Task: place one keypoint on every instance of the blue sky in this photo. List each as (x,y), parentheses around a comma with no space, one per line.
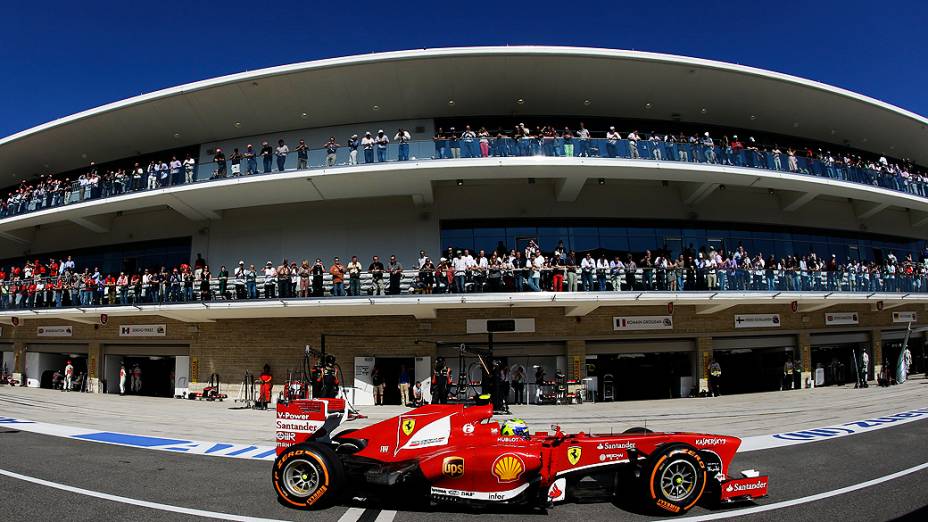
(63,57)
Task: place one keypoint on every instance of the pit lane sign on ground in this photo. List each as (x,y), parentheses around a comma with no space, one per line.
(841,318)
(757,321)
(142,330)
(643,322)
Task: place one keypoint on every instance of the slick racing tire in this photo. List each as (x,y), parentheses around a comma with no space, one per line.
(675,479)
(308,476)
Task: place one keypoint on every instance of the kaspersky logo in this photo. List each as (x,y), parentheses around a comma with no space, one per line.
(408,426)
(573,454)
(452,467)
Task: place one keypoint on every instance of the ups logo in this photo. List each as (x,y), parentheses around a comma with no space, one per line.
(452,467)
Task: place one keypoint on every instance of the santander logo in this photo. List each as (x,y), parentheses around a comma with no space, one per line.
(760,484)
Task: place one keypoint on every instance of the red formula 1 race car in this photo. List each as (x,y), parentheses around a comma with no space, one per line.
(455,453)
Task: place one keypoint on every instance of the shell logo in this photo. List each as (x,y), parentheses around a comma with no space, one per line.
(508,467)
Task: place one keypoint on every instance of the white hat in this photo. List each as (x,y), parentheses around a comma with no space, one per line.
(381,130)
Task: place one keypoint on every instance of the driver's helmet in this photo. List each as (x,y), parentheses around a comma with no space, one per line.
(514,427)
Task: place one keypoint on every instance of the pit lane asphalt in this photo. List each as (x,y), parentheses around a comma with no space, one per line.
(243,487)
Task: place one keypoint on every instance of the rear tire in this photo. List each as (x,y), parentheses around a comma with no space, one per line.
(308,476)
(674,479)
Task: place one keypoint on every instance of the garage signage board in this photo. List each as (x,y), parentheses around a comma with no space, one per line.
(905,317)
(143,330)
(482,326)
(643,322)
(53,331)
(757,320)
(841,318)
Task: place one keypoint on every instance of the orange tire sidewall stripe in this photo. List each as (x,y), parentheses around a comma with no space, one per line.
(654,474)
(325,472)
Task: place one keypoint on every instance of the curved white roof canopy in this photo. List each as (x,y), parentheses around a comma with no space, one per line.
(481,81)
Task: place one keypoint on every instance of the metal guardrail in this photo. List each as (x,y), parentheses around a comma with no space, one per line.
(16,295)
(719,155)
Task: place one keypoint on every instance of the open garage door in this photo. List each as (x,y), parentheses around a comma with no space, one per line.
(755,364)
(835,356)
(7,359)
(43,360)
(154,370)
(635,370)
(527,358)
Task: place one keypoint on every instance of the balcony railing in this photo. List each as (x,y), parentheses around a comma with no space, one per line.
(643,150)
(46,293)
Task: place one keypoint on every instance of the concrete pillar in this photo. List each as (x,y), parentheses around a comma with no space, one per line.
(94,363)
(576,359)
(19,360)
(876,352)
(804,342)
(703,358)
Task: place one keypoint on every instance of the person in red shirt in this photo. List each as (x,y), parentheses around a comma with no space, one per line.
(110,284)
(30,293)
(264,396)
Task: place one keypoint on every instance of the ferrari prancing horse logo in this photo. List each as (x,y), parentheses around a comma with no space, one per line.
(573,454)
(408,426)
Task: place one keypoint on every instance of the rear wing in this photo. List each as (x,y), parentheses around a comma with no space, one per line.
(300,420)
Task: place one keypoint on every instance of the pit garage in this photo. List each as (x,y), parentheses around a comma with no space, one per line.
(43,359)
(153,370)
(527,358)
(7,358)
(646,369)
(893,341)
(755,364)
(835,357)
(418,369)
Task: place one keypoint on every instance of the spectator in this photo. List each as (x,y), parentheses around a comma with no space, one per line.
(331,150)
(354,277)
(220,159)
(302,156)
(266,155)
(338,278)
(251,161)
(367,143)
(353,144)
(281,152)
(382,142)
(402,137)
(376,271)
(189,165)
(318,271)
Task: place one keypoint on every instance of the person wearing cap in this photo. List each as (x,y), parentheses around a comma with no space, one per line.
(331,150)
(367,143)
(270,280)
(238,276)
(612,142)
(708,148)
(353,144)
(376,271)
(302,155)
(251,282)
(317,271)
(68,375)
(251,162)
(382,141)
(281,152)
(266,154)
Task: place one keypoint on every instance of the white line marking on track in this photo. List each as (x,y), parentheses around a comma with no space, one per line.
(352,515)
(135,502)
(387,515)
(804,500)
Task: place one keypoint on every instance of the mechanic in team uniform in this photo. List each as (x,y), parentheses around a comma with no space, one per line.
(715,378)
(264,394)
(328,376)
(864,370)
(68,375)
(441,381)
(788,374)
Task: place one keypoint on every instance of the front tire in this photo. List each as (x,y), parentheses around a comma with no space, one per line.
(308,476)
(675,479)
